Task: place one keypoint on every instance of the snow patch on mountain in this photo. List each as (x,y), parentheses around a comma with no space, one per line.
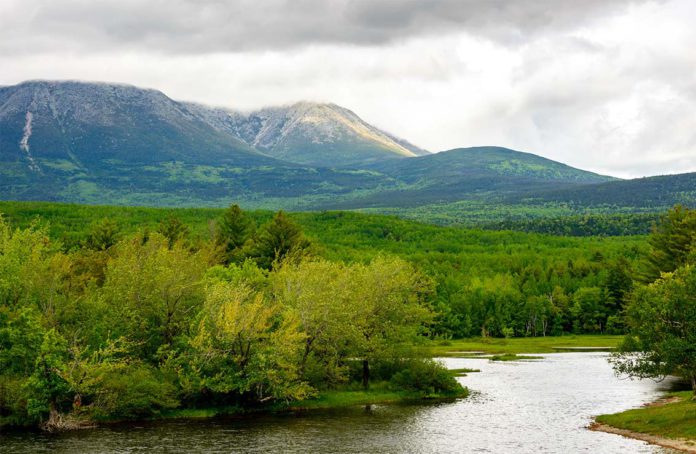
(24,143)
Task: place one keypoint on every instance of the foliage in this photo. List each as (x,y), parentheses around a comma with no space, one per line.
(233,230)
(278,239)
(671,242)
(426,377)
(661,315)
(142,314)
(244,345)
(662,323)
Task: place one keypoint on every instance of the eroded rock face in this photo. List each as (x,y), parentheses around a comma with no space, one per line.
(311,133)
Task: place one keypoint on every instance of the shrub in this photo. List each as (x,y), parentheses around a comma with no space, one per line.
(132,391)
(426,377)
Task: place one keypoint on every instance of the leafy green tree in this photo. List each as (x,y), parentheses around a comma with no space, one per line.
(246,347)
(47,388)
(150,291)
(588,309)
(322,296)
(278,239)
(662,322)
(619,283)
(21,336)
(390,295)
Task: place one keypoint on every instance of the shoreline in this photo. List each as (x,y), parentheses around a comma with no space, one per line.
(665,402)
(347,399)
(671,443)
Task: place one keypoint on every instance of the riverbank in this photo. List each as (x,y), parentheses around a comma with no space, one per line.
(517,345)
(376,395)
(669,422)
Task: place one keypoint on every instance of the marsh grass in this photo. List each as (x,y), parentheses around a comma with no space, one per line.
(517,345)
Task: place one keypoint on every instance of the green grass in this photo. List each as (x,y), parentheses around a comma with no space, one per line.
(517,345)
(199,413)
(672,420)
(511,357)
(378,393)
(463,371)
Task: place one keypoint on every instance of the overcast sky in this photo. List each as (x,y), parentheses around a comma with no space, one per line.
(604,85)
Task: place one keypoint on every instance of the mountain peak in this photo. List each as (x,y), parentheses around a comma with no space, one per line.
(323,134)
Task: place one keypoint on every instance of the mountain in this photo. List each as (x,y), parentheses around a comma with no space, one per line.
(74,123)
(641,193)
(324,135)
(461,163)
(471,173)
(99,143)
(116,144)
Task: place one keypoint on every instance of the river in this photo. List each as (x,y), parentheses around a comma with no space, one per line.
(538,406)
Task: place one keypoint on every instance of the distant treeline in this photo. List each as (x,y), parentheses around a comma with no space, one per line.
(583,225)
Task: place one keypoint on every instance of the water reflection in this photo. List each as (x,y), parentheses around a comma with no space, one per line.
(519,407)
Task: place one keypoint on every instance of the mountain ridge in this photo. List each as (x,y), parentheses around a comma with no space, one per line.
(303,132)
(105,143)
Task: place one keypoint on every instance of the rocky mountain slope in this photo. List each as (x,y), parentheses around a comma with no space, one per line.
(324,135)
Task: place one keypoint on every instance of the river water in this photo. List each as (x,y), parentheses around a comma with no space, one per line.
(518,407)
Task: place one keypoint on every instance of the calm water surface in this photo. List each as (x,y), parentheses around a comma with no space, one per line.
(519,407)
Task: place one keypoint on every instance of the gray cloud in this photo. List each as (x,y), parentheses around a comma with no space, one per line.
(206,26)
(606,85)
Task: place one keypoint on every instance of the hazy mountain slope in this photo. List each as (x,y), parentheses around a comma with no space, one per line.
(651,192)
(479,173)
(455,165)
(314,134)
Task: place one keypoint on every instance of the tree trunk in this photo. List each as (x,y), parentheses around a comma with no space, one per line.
(693,386)
(366,374)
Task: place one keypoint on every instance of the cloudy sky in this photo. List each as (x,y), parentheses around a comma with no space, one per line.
(605,85)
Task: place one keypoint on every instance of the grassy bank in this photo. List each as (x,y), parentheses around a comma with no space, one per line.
(378,394)
(674,417)
(513,346)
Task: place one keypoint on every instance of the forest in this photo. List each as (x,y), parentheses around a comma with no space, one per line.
(117,313)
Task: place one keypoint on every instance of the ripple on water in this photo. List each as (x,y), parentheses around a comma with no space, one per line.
(519,407)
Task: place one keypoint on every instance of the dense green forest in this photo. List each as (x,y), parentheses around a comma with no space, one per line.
(115,312)
(127,325)
(491,282)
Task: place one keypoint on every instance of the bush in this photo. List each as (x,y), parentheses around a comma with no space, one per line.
(132,391)
(12,402)
(427,378)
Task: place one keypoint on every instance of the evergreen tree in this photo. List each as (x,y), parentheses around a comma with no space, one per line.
(173,230)
(102,235)
(234,229)
(278,239)
(671,243)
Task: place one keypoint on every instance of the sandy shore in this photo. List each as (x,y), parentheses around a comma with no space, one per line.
(672,443)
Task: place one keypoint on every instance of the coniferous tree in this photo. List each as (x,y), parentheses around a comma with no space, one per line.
(234,229)
(670,243)
(173,230)
(278,239)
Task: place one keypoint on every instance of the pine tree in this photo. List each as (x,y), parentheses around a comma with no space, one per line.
(234,229)
(278,239)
